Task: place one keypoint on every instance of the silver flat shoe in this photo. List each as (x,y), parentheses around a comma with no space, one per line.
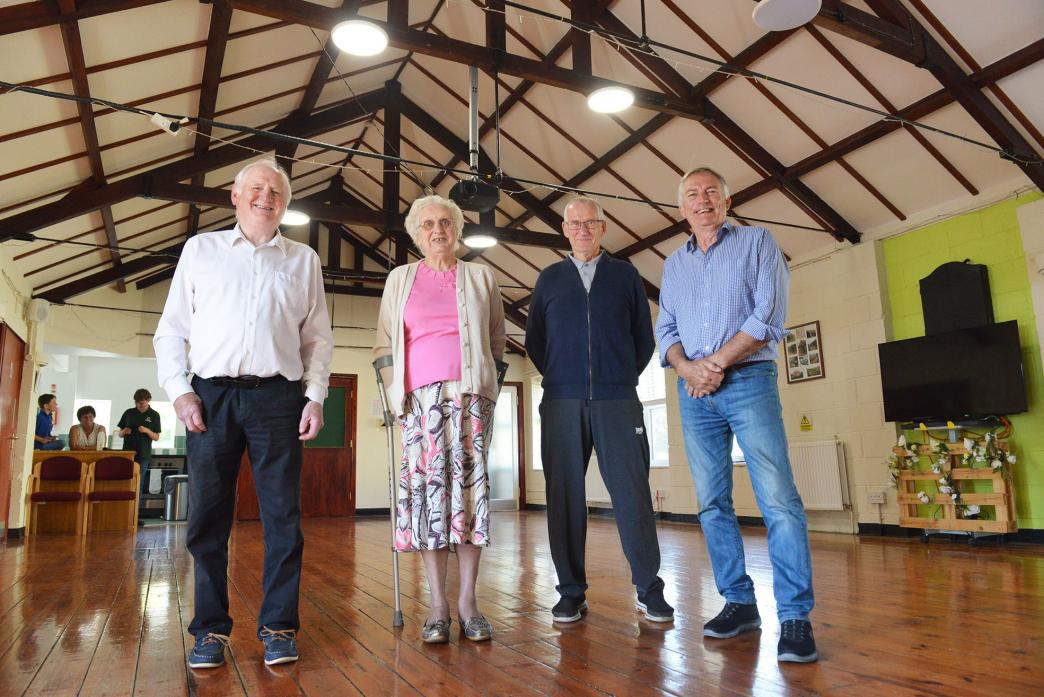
(477,628)
(436,631)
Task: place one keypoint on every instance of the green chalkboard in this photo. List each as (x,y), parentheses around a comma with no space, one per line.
(332,434)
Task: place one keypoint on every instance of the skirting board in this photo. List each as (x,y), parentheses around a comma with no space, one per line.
(372,511)
(1032,536)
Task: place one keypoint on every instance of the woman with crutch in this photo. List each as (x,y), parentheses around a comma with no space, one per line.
(442,321)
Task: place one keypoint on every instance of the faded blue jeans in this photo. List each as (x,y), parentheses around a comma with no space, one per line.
(747,406)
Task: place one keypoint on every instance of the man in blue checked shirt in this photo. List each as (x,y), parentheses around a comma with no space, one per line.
(723,302)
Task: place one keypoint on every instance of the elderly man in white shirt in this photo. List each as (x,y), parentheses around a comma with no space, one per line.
(243,350)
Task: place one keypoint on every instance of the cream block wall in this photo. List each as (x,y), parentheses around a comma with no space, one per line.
(846,293)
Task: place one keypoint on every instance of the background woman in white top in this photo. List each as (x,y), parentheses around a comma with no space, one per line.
(86,435)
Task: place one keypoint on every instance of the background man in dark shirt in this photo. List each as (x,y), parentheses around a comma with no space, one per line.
(139,427)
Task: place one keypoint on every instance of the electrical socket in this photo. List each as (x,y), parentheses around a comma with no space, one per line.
(875,497)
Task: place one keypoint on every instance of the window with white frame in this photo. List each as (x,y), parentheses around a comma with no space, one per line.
(653,396)
(652,393)
(168,422)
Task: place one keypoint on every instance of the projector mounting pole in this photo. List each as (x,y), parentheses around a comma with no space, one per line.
(475,193)
(473,130)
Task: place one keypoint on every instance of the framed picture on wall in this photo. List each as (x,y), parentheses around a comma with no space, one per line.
(803,351)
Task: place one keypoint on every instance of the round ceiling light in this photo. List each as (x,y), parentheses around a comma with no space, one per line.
(359,37)
(294,218)
(609,100)
(781,15)
(479,241)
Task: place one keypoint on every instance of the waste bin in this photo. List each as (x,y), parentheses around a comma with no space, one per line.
(175,488)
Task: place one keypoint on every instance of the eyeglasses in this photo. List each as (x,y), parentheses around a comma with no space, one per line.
(429,225)
(589,224)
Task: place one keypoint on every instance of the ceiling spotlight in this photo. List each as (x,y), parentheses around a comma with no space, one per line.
(359,37)
(294,218)
(479,240)
(781,15)
(609,100)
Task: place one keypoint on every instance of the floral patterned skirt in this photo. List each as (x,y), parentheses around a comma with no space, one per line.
(443,495)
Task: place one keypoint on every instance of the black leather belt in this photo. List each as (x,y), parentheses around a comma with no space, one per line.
(247,382)
(737,366)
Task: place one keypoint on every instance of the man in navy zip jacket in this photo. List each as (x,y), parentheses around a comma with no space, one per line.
(589,333)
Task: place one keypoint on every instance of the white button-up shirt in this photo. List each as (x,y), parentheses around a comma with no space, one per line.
(236,309)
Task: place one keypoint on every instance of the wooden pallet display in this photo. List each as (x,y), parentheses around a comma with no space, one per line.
(1002,496)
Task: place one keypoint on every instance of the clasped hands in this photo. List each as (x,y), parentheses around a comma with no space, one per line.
(702,376)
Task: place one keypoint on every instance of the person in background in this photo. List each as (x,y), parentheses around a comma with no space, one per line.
(42,439)
(442,320)
(86,435)
(140,426)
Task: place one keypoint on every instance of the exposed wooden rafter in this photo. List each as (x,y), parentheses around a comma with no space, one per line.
(426,43)
(78,75)
(78,202)
(727,130)
(217,39)
(353,213)
(897,32)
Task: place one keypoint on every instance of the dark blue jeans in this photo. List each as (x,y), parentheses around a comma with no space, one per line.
(143,468)
(747,406)
(264,421)
(615,428)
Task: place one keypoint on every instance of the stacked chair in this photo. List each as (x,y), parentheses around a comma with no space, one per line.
(70,496)
(58,495)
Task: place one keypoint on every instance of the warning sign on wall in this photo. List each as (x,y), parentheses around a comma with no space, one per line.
(806,424)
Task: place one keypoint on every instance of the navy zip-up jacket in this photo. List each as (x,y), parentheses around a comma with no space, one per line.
(590,345)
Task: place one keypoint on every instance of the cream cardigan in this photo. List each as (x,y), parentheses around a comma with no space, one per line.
(480,319)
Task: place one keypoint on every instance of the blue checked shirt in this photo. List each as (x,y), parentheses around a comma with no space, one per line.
(739,284)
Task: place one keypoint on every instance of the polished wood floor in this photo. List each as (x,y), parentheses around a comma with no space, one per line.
(107,616)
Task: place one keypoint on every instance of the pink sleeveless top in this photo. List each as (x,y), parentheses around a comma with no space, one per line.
(431,328)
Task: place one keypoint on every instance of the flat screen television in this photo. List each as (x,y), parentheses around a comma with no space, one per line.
(966,374)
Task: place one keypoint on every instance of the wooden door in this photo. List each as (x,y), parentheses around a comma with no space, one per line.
(12,357)
(520,416)
(328,467)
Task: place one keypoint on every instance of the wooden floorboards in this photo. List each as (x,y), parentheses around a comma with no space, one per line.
(106,615)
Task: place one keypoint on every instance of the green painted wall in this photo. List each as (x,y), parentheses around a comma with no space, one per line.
(991,237)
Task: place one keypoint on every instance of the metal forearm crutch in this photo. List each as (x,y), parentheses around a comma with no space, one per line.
(389,425)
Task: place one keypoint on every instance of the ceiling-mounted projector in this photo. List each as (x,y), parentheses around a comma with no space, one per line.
(475,195)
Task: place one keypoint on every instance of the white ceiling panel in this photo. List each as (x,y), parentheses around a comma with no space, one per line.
(20,110)
(760,119)
(1011,25)
(143,30)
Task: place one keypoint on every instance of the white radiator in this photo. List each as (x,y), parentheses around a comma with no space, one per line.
(819,472)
